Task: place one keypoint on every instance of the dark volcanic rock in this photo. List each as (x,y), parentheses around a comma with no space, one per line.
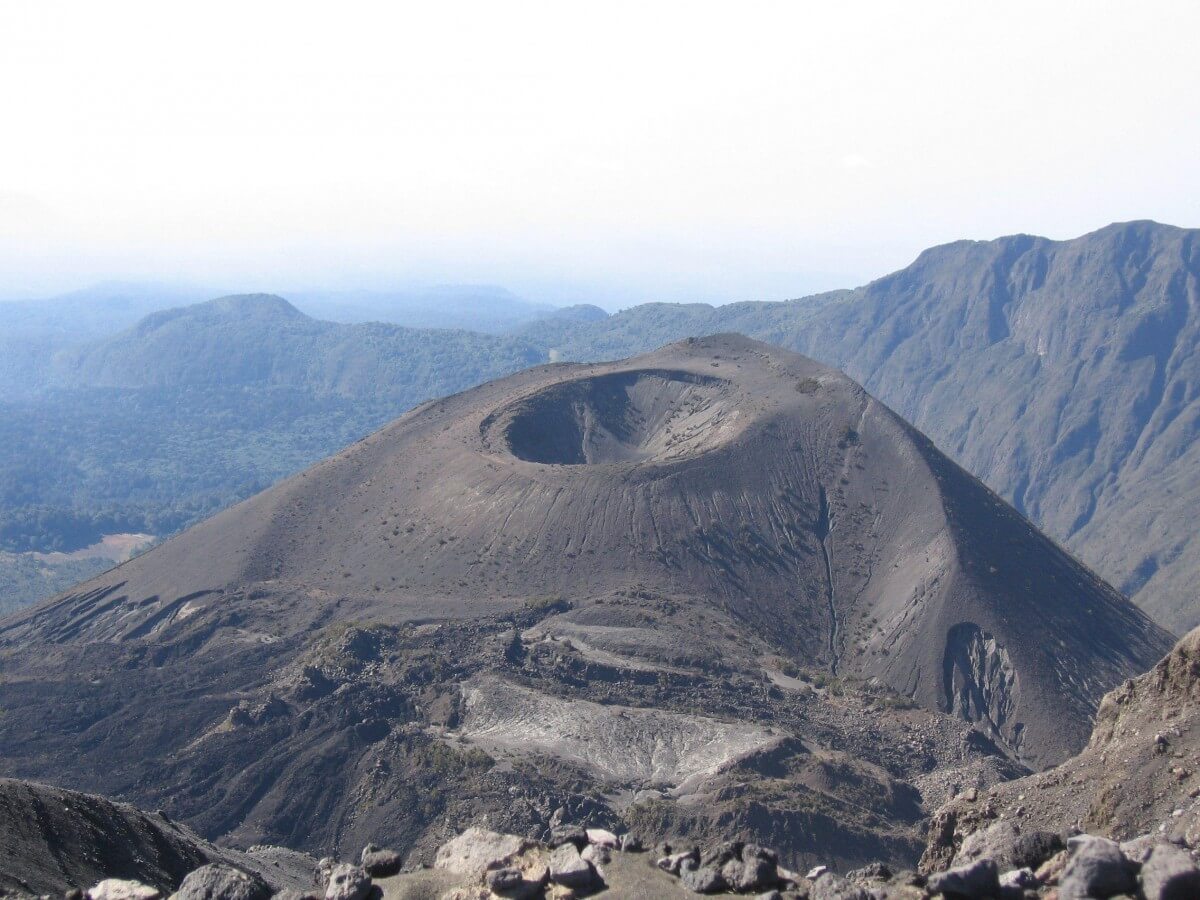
(1169,874)
(701,879)
(1096,868)
(380,863)
(975,881)
(217,881)
(53,840)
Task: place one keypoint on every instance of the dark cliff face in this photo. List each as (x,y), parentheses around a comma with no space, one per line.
(584,581)
(54,840)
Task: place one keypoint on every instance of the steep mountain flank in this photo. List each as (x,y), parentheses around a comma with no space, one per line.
(53,840)
(1066,375)
(1139,774)
(716,583)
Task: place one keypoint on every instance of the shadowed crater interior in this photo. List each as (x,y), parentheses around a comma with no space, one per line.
(652,414)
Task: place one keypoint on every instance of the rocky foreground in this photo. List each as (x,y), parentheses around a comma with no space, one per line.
(1120,820)
(574,862)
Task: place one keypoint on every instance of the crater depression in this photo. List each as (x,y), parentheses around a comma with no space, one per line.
(635,416)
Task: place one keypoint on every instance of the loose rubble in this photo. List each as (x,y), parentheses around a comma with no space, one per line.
(1000,862)
(1090,867)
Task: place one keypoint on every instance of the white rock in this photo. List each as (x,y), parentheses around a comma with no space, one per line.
(476,850)
(602,837)
(120,889)
(816,872)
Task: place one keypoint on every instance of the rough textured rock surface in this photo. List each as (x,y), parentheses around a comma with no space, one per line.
(715,590)
(218,881)
(348,882)
(53,840)
(476,850)
(1139,775)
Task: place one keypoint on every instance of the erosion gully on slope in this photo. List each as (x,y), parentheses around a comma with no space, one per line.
(824,530)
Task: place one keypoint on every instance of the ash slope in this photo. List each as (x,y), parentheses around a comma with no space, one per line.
(466,606)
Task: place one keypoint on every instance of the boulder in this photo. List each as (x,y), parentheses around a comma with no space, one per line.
(974,881)
(322,871)
(217,881)
(476,850)
(1018,880)
(380,863)
(1138,849)
(1096,868)
(568,834)
(571,870)
(674,862)
(631,844)
(718,855)
(1032,849)
(597,855)
(1051,870)
(513,883)
(122,889)
(701,879)
(347,882)
(602,837)
(1169,874)
(828,886)
(755,870)
(875,871)
(1011,848)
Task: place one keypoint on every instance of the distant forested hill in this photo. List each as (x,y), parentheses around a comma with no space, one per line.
(196,408)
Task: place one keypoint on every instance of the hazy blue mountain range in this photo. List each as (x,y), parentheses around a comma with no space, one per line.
(33,331)
(487,308)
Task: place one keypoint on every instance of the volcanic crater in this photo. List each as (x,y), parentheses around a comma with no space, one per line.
(635,416)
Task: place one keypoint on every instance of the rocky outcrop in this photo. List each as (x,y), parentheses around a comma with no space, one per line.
(218,881)
(52,840)
(1121,818)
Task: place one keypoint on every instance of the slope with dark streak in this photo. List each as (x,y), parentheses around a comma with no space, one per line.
(1065,374)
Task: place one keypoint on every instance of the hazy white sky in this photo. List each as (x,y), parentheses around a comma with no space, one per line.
(609,152)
